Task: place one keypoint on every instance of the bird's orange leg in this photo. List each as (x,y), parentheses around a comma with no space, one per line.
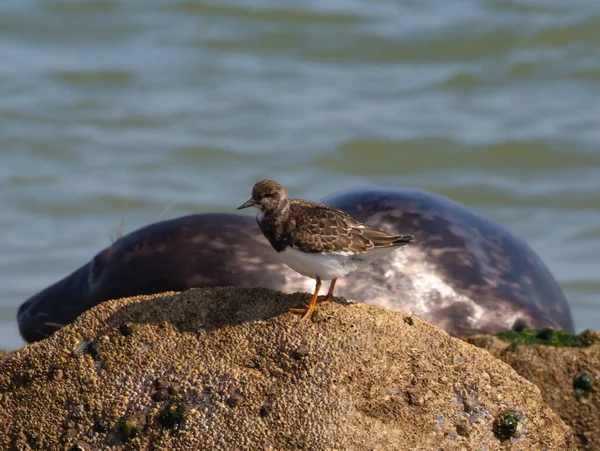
(309,308)
(329,295)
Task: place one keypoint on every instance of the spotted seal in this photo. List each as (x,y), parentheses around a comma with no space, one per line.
(466,274)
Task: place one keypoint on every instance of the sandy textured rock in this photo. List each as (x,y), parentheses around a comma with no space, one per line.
(231,369)
(3,353)
(554,370)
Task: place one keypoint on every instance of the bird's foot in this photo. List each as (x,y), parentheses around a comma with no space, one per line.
(307,310)
(326,298)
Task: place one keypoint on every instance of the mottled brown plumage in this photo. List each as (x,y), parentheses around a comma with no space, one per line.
(337,243)
(312,227)
(316,228)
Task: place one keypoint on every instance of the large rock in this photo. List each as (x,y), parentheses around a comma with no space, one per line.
(568,377)
(231,369)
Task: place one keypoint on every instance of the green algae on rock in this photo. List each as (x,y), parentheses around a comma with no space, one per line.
(127,328)
(583,384)
(505,425)
(565,375)
(130,426)
(173,414)
(547,336)
(231,368)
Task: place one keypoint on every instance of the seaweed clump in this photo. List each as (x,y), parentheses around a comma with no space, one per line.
(130,426)
(93,349)
(173,414)
(583,384)
(505,425)
(548,337)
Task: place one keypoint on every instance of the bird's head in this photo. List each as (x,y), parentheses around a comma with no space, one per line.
(267,195)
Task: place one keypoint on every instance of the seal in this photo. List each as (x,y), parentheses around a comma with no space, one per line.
(466,274)
(203,250)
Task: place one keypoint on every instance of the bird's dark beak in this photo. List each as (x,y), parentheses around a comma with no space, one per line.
(249,203)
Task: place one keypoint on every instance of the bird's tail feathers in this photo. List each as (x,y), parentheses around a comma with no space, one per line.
(402,240)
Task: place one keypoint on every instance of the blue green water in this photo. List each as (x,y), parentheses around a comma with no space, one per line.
(161,108)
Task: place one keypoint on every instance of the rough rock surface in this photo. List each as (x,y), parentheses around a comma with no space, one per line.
(568,377)
(229,368)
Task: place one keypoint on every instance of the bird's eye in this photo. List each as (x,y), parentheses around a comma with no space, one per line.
(268,195)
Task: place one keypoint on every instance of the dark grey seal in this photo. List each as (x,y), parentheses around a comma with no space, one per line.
(466,274)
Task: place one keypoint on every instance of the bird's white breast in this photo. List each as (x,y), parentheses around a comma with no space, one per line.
(325,266)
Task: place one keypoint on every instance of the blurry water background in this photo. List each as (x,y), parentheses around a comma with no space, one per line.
(160,108)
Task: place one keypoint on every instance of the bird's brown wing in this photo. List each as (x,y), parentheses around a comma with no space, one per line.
(320,228)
